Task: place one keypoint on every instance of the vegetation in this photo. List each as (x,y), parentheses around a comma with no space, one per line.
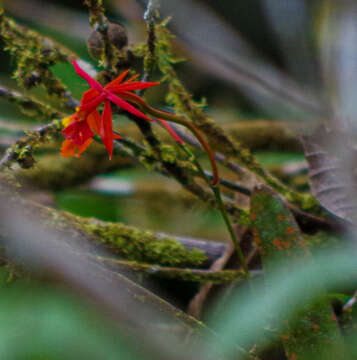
(156,229)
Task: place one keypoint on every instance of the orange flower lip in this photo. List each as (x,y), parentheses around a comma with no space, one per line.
(79,132)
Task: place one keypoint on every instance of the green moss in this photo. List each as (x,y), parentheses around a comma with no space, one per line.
(34,55)
(162,57)
(96,10)
(22,150)
(169,153)
(29,105)
(221,277)
(139,245)
(183,103)
(276,232)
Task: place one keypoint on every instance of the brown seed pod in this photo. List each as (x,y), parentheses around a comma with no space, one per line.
(117,35)
(96,44)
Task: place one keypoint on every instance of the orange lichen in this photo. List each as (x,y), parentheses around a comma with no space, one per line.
(258,240)
(290,230)
(281,245)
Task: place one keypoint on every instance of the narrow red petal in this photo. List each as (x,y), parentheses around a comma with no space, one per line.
(94,84)
(135,85)
(117,80)
(133,77)
(171,131)
(129,96)
(83,147)
(92,104)
(68,148)
(126,106)
(79,132)
(89,95)
(106,130)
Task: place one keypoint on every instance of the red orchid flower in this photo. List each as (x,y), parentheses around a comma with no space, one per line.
(98,94)
(80,128)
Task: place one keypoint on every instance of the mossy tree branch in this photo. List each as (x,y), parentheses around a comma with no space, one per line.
(126,242)
(22,150)
(35,55)
(183,274)
(183,103)
(29,105)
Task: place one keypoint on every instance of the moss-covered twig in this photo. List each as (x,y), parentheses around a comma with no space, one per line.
(257,134)
(96,11)
(183,274)
(35,55)
(183,103)
(132,243)
(22,150)
(178,120)
(29,105)
(54,172)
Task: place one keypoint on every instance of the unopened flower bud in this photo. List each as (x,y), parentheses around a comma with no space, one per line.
(117,35)
(96,44)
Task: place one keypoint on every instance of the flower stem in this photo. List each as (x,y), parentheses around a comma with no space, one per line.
(217,193)
(214,184)
(178,120)
(234,239)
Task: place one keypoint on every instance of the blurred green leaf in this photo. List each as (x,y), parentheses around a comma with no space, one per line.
(42,322)
(249,312)
(278,157)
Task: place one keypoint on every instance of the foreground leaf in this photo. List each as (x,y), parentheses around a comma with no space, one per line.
(313,332)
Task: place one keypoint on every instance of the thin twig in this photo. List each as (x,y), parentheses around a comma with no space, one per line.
(22,149)
(195,306)
(183,274)
(29,105)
